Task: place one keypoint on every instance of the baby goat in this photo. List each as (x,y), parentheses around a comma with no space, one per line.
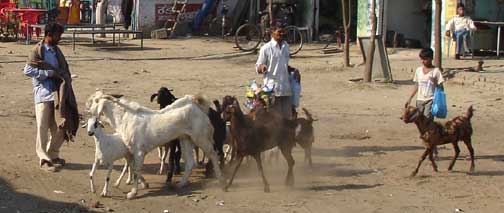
(434,134)
(109,148)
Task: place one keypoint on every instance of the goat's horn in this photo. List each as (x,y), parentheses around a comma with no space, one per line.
(84,125)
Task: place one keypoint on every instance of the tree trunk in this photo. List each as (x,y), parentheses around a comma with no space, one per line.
(370,54)
(437,35)
(347,19)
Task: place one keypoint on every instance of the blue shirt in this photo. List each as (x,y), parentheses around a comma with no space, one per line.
(43,84)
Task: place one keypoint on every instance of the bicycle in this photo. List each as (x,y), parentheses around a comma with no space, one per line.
(248,36)
(221,24)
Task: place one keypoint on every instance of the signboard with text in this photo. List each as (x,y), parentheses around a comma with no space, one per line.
(164,12)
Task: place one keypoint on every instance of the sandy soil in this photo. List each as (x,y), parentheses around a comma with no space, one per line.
(351,173)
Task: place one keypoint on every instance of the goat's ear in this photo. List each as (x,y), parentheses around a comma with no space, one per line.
(117,95)
(153,96)
(100,108)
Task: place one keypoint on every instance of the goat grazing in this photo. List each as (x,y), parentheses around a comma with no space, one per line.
(144,129)
(268,130)
(109,148)
(434,134)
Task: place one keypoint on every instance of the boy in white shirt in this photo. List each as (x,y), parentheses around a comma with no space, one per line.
(461,26)
(427,78)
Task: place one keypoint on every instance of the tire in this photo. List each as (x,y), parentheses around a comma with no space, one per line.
(294,38)
(248,37)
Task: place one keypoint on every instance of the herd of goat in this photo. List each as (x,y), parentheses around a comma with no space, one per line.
(188,123)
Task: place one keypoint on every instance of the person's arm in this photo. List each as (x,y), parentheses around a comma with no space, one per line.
(471,25)
(262,62)
(413,93)
(37,73)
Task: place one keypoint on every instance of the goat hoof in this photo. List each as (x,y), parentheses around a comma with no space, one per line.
(130,195)
(145,185)
(413,174)
(104,194)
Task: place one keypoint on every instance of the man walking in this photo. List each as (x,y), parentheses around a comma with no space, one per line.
(55,105)
(273,63)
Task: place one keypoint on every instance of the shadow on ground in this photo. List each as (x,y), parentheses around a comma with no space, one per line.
(12,201)
(359,151)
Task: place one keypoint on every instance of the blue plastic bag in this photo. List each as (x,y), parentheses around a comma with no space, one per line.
(439,107)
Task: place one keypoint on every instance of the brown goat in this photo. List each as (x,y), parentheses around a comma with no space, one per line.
(305,137)
(253,136)
(434,134)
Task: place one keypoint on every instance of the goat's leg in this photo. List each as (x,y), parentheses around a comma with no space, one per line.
(208,150)
(287,153)
(137,173)
(91,175)
(422,158)
(261,171)
(171,162)
(240,159)
(433,162)
(468,143)
(164,152)
(456,149)
(118,181)
(107,179)
(308,156)
(129,181)
(178,155)
(187,155)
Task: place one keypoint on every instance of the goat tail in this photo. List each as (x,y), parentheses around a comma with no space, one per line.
(470,112)
(308,114)
(202,102)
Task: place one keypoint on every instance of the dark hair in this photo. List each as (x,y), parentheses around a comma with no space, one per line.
(459,5)
(53,28)
(426,53)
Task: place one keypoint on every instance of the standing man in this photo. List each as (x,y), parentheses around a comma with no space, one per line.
(461,26)
(101,13)
(273,63)
(55,104)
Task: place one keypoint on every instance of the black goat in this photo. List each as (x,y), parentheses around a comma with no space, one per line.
(165,98)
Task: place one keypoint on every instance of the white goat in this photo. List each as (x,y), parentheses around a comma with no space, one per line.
(143,129)
(109,148)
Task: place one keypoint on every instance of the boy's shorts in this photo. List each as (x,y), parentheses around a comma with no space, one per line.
(425,107)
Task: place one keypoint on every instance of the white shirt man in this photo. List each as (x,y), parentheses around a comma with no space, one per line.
(273,63)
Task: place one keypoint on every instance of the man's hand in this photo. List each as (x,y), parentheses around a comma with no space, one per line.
(447,33)
(434,80)
(262,69)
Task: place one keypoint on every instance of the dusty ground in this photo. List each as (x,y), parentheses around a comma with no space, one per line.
(350,174)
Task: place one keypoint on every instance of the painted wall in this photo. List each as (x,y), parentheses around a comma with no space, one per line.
(406,17)
(489,10)
(152,14)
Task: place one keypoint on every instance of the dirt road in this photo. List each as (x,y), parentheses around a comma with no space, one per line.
(363,152)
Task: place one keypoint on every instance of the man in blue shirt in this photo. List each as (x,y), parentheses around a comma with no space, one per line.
(45,82)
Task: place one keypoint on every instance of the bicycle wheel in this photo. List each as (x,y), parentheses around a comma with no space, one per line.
(248,37)
(294,38)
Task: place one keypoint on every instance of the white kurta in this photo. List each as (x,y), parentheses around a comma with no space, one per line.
(277,60)
(100,12)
